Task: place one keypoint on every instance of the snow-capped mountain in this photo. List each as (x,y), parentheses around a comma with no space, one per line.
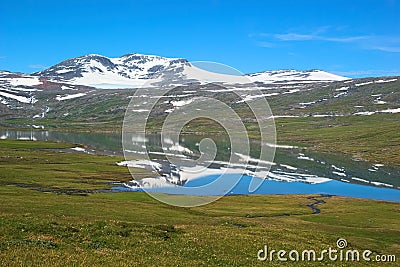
(290,76)
(131,70)
(135,70)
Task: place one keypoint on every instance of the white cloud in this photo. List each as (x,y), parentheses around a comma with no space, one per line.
(308,37)
(357,73)
(387,49)
(390,44)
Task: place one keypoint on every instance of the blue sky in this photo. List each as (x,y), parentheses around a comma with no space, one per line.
(351,38)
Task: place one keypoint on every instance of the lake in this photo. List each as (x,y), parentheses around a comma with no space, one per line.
(294,170)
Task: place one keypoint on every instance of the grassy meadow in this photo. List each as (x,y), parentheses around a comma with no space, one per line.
(53,212)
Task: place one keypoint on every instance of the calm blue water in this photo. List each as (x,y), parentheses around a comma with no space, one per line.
(332,187)
(349,177)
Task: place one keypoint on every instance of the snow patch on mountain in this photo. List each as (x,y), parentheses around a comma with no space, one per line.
(67,97)
(20,84)
(27,81)
(393,110)
(19,98)
(284,76)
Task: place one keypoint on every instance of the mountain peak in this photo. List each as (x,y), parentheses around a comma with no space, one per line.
(134,69)
(289,75)
(129,70)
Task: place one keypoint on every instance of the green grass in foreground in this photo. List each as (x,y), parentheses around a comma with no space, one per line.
(132,229)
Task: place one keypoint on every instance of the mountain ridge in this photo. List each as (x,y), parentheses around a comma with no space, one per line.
(136,70)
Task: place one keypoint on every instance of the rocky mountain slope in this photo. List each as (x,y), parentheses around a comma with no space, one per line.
(137,70)
(68,94)
(132,70)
